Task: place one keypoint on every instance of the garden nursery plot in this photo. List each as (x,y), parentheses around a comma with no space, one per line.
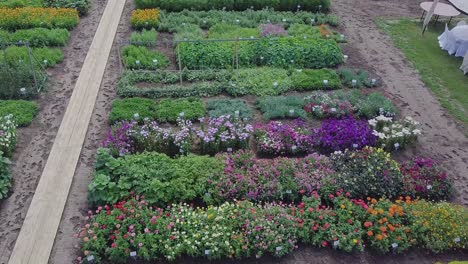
(240,132)
(232,131)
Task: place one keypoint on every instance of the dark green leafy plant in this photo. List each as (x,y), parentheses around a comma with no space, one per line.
(223,107)
(282,107)
(17,80)
(305,80)
(304,31)
(46,57)
(158,177)
(37,37)
(144,38)
(82,6)
(132,109)
(138,57)
(229,31)
(23,111)
(168,110)
(372,105)
(259,82)
(5,176)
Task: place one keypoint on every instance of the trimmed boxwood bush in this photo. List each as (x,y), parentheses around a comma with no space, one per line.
(132,108)
(223,107)
(168,110)
(280,5)
(139,57)
(23,111)
(307,79)
(259,82)
(282,107)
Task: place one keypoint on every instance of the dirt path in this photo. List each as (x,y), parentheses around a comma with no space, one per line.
(36,141)
(66,247)
(368,47)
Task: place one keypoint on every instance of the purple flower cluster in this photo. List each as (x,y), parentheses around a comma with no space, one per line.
(276,138)
(272,30)
(118,139)
(341,134)
(247,177)
(223,133)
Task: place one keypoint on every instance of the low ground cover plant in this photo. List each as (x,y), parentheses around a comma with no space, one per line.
(304,31)
(356,78)
(23,111)
(144,18)
(168,110)
(46,57)
(231,107)
(144,37)
(280,107)
(322,79)
(322,105)
(33,17)
(272,30)
(140,57)
(229,31)
(132,109)
(37,37)
(259,82)
(170,21)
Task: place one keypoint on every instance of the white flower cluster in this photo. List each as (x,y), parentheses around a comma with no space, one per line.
(7,134)
(394,135)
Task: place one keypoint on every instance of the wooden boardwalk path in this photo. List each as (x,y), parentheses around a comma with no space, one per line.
(40,226)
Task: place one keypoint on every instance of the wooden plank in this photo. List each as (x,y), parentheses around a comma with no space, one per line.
(40,226)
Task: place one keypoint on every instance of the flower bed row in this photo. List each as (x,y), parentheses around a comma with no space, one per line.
(283,5)
(33,17)
(240,175)
(37,37)
(136,230)
(7,145)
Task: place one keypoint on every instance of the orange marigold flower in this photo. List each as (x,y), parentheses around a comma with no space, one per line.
(374,201)
(370,233)
(391,227)
(383,228)
(379,237)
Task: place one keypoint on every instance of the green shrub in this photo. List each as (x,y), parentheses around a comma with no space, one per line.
(16,76)
(135,57)
(360,76)
(5,176)
(282,107)
(168,110)
(304,31)
(223,107)
(367,172)
(229,31)
(46,57)
(23,111)
(132,108)
(372,105)
(259,82)
(188,32)
(169,22)
(37,37)
(81,5)
(144,38)
(159,178)
(20,3)
(305,80)
(34,17)
(280,5)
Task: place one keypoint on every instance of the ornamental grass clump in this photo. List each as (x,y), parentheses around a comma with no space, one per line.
(394,135)
(287,179)
(341,134)
(425,178)
(367,172)
(224,133)
(281,139)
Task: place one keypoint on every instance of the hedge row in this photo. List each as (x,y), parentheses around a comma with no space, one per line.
(280,5)
(256,81)
(284,52)
(32,17)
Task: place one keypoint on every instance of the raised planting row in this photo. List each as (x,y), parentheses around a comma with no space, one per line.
(82,6)
(250,81)
(239,5)
(27,33)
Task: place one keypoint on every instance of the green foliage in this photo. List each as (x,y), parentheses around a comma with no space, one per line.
(20,3)
(159,178)
(188,32)
(5,176)
(229,31)
(82,6)
(46,57)
(35,17)
(223,107)
(259,82)
(135,57)
(168,110)
(37,37)
(132,108)
(361,77)
(144,37)
(280,5)
(282,107)
(373,105)
(304,31)
(16,76)
(23,111)
(306,79)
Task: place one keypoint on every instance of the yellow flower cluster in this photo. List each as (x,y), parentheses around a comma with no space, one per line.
(31,17)
(144,18)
